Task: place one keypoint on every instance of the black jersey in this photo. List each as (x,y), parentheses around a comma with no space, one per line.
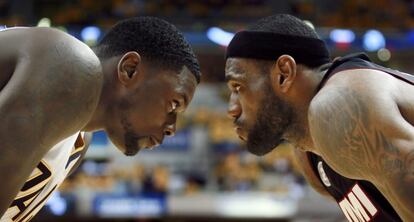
(358,199)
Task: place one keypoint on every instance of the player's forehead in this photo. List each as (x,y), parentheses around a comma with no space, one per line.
(239,68)
(181,83)
(186,83)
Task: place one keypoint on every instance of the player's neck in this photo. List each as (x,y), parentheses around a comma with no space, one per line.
(100,116)
(96,122)
(307,88)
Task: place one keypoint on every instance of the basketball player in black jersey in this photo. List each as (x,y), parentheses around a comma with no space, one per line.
(351,120)
(132,85)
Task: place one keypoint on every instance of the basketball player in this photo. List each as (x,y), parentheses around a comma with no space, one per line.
(351,120)
(54,88)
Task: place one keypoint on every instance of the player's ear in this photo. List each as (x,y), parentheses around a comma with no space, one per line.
(283,73)
(129,67)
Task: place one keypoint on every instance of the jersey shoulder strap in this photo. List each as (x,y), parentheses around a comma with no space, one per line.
(361,61)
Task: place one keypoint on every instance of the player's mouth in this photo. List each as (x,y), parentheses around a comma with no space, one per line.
(153,142)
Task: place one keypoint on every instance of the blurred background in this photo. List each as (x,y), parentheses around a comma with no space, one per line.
(204,172)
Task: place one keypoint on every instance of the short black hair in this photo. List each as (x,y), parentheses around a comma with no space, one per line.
(282,24)
(156,40)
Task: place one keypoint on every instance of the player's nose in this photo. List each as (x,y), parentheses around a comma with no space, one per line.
(234,109)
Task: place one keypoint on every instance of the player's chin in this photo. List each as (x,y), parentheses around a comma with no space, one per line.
(132,148)
(261,149)
(126,149)
(131,152)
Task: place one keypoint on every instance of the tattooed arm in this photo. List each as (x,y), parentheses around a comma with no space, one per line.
(362,135)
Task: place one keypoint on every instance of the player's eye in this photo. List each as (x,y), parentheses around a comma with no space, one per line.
(236,87)
(174,106)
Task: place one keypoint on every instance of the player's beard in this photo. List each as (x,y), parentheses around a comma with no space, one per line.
(273,118)
(131,139)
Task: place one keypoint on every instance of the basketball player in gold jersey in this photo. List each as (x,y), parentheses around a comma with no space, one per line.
(54,88)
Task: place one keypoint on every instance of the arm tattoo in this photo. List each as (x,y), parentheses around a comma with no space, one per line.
(355,143)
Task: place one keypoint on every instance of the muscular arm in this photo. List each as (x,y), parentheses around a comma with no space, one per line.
(48,97)
(368,139)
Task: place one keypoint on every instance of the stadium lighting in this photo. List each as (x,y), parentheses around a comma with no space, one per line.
(342,36)
(219,36)
(57,204)
(90,34)
(384,54)
(373,40)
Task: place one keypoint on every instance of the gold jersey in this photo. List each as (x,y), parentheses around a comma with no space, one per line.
(45,179)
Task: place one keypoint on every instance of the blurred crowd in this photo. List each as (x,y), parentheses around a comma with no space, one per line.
(235,171)
(394,14)
(230,168)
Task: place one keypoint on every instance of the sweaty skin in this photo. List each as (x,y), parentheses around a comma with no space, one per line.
(34,119)
(373,139)
(53,86)
(360,122)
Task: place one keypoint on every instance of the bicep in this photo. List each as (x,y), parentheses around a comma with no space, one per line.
(363,136)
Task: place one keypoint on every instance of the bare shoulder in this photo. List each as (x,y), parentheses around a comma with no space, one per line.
(43,41)
(69,62)
(349,117)
(58,74)
(60,47)
(359,90)
(361,133)
(47,46)
(332,115)
(52,89)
